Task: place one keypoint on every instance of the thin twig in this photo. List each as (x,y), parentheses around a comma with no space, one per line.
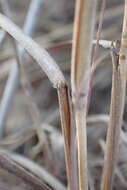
(104,43)
(116,110)
(32,16)
(95,53)
(81,59)
(99,30)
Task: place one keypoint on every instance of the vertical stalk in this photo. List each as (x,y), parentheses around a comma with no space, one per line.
(81,59)
(9,91)
(101,18)
(68,129)
(32,16)
(116,110)
(66,124)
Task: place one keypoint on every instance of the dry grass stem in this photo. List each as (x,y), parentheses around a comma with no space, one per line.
(113,135)
(43,143)
(32,16)
(81,59)
(69,135)
(116,110)
(103,6)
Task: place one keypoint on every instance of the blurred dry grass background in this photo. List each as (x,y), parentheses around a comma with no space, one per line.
(44,143)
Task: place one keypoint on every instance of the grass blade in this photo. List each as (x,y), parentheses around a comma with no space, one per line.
(45,61)
(38,171)
(47,64)
(7,163)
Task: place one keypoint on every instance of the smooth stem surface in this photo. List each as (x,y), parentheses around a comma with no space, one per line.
(32,16)
(116,110)
(66,124)
(69,135)
(102,12)
(113,134)
(82,43)
(81,59)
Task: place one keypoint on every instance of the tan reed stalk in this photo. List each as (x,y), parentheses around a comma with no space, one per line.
(81,59)
(116,110)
